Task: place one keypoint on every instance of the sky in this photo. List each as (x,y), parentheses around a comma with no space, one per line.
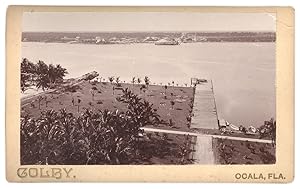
(146,21)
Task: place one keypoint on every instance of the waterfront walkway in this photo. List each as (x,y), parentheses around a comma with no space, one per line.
(204,153)
(204,110)
(201,134)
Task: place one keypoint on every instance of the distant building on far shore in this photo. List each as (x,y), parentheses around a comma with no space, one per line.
(150,39)
(167,42)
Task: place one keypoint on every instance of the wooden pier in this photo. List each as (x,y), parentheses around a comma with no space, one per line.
(204,110)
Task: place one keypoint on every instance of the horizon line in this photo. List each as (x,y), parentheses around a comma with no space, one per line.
(206,31)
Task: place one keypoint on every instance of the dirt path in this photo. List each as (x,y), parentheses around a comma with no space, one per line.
(204,151)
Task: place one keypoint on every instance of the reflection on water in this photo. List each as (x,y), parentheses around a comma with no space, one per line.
(243,74)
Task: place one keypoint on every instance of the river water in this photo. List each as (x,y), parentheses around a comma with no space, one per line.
(243,74)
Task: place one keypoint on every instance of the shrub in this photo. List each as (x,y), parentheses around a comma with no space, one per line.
(72,88)
(94,137)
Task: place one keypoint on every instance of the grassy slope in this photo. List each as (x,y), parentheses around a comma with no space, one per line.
(105,99)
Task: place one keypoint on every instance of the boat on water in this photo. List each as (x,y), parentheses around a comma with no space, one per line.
(225,126)
(167,42)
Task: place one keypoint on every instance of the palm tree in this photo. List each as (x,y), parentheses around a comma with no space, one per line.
(273,131)
(28,73)
(42,82)
(41,68)
(133,81)
(111,79)
(56,73)
(27,66)
(268,130)
(43,75)
(139,80)
(42,71)
(147,81)
(173,83)
(118,80)
(51,74)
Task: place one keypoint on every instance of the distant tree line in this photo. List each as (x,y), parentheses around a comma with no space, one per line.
(40,74)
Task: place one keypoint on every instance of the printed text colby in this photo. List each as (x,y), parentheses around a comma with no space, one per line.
(56,173)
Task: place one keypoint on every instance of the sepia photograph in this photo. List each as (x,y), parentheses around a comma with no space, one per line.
(147,88)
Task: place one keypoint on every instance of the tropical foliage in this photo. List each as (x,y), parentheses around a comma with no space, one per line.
(268,130)
(147,81)
(40,74)
(117,80)
(94,137)
(111,79)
